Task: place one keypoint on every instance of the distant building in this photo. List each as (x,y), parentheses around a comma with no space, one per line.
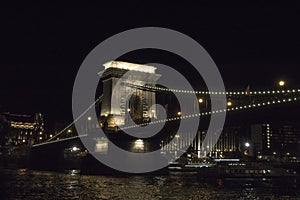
(262,141)
(23,129)
(290,142)
(276,139)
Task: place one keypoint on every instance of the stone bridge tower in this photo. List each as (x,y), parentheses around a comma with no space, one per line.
(135,100)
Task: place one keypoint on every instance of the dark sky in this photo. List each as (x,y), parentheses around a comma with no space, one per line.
(42,47)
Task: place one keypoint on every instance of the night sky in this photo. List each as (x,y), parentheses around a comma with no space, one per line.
(42,47)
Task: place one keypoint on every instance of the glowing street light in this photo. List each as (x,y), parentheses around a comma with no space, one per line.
(201,100)
(179,113)
(229,103)
(247,144)
(281,83)
(69,131)
(75,149)
(89,118)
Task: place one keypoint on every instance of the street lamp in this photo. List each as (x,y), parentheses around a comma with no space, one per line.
(229,103)
(88,123)
(247,144)
(281,83)
(203,102)
(179,113)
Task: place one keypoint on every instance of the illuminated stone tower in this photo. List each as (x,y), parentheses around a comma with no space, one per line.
(134,101)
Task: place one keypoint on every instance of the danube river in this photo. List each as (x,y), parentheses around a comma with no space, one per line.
(27,184)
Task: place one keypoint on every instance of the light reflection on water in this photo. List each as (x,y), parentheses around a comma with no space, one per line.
(26,184)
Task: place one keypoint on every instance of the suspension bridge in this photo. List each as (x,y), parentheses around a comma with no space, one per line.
(52,150)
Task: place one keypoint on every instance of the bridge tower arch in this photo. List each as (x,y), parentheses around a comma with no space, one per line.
(138,104)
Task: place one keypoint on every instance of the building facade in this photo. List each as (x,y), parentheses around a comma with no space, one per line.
(281,139)
(23,130)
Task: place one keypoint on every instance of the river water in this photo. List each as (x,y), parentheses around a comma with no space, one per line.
(27,184)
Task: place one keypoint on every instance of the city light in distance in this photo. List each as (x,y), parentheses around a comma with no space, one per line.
(201,100)
(281,83)
(139,144)
(89,118)
(229,103)
(75,149)
(247,144)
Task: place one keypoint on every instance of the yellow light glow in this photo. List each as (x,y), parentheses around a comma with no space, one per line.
(139,144)
(229,103)
(201,100)
(101,146)
(179,113)
(130,66)
(281,83)
(75,149)
(89,118)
